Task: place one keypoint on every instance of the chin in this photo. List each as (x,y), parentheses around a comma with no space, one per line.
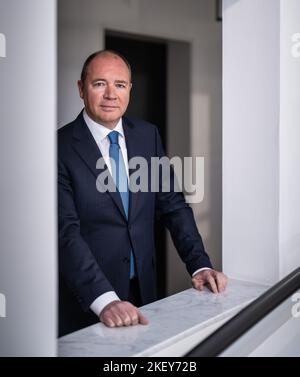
(107,121)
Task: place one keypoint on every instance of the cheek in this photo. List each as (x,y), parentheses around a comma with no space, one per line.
(125,100)
(93,99)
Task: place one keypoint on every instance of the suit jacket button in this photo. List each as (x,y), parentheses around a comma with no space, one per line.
(126,260)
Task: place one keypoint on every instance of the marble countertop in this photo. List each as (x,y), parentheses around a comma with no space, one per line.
(170,319)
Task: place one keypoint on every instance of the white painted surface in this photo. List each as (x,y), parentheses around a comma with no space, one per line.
(251,139)
(289,223)
(27,190)
(261,155)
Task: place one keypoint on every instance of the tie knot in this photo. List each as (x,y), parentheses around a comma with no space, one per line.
(113,137)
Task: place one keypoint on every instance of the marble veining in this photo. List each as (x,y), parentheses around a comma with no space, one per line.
(171,319)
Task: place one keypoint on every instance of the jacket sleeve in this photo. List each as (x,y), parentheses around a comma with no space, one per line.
(77,265)
(178,217)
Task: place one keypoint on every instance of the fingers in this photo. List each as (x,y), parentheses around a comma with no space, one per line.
(198,284)
(216,281)
(122,313)
(142,319)
(212,284)
(221,280)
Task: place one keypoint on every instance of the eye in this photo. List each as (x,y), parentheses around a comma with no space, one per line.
(99,84)
(121,86)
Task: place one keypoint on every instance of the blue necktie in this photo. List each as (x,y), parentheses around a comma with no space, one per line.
(120,179)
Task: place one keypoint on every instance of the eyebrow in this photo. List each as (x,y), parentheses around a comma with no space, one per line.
(121,81)
(116,81)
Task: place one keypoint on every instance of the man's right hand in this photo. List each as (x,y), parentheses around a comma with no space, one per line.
(121,313)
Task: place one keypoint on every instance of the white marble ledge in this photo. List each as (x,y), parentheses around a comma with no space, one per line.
(171,320)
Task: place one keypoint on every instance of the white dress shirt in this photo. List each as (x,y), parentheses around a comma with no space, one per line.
(100,134)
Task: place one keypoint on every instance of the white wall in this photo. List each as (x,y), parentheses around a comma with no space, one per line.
(261,183)
(250,139)
(81,31)
(27,190)
(289,221)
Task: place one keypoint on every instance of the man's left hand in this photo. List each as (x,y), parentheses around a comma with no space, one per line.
(216,281)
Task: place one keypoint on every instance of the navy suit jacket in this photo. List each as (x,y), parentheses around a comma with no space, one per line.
(95,237)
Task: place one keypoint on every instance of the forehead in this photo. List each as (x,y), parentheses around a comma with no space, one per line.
(108,65)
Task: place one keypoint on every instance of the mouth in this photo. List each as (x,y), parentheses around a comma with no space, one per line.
(109,107)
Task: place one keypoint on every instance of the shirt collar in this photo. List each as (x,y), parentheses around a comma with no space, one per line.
(99,131)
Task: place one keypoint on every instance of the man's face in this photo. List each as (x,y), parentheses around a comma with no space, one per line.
(106,89)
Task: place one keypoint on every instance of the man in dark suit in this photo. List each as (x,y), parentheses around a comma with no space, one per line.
(106,239)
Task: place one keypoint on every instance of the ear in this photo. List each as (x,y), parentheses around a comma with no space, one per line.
(80,88)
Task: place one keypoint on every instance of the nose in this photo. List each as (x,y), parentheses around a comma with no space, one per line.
(110,92)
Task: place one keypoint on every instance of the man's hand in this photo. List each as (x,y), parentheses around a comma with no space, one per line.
(215,280)
(122,313)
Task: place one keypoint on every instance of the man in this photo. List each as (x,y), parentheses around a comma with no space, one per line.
(106,241)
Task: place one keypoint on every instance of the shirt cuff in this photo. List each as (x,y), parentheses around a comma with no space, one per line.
(99,304)
(201,269)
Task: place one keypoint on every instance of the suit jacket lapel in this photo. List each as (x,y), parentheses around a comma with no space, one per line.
(133,144)
(85,145)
